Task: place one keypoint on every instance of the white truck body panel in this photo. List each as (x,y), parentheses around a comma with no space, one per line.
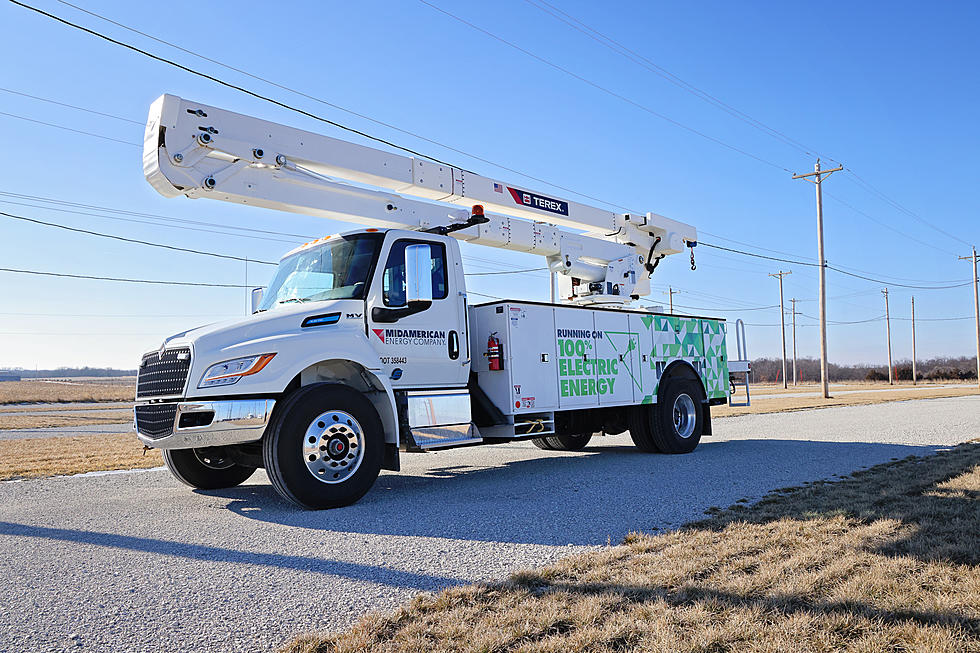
(568,358)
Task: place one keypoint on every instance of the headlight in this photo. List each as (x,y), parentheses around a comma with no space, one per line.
(229,372)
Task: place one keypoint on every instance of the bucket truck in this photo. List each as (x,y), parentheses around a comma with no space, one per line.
(365,345)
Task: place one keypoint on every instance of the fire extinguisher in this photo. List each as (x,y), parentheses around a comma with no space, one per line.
(495,353)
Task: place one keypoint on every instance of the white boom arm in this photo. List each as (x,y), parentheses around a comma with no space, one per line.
(201,151)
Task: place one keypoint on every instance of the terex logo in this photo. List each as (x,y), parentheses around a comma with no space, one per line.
(541,202)
(380,333)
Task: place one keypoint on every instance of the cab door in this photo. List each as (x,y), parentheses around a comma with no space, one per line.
(425,348)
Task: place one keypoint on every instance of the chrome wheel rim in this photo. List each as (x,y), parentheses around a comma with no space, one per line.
(685,416)
(333,446)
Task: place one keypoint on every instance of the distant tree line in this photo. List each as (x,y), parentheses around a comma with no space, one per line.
(70,371)
(769,370)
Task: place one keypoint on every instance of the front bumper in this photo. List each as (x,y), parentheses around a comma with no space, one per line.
(205,423)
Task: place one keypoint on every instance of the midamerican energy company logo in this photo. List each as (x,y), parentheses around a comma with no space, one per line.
(410,336)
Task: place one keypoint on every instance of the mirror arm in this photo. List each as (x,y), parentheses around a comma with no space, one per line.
(390,315)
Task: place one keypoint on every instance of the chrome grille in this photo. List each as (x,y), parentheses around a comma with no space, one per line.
(156,420)
(163,376)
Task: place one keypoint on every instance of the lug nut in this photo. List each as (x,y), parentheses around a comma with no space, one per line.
(280,160)
(209,182)
(204,139)
(258,153)
(178,157)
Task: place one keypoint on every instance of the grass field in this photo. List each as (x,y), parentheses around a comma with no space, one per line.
(887,560)
(35,458)
(783,404)
(13,392)
(16,421)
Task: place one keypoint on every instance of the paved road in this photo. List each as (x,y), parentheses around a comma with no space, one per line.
(138,562)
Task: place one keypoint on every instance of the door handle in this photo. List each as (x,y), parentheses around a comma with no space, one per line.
(453,341)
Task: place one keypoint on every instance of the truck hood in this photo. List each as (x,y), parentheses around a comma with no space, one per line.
(252,332)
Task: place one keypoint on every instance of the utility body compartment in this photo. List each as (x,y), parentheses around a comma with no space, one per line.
(559,357)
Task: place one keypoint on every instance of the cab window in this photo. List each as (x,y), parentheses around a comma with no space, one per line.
(393,281)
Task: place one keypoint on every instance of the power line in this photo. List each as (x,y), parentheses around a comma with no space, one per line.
(599,87)
(617,47)
(384,141)
(69,129)
(151,281)
(134,240)
(340,108)
(769,258)
(70,106)
(868,187)
(486,274)
(888,226)
(836,269)
(150,221)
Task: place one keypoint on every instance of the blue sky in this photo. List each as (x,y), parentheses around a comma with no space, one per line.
(890,89)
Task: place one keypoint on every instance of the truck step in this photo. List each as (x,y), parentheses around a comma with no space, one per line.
(437,437)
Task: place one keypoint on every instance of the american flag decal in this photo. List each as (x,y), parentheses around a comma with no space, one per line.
(498,188)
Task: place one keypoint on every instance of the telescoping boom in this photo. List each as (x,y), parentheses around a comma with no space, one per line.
(202,151)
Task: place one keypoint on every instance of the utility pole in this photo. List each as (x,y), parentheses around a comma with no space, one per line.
(782,319)
(888,336)
(913,340)
(671,292)
(793,301)
(976,307)
(818,177)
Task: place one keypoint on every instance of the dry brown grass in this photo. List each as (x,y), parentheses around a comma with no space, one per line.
(884,561)
(777,388)
(783,404)
(69,407)
(13,392)
(15,421)
(34,458)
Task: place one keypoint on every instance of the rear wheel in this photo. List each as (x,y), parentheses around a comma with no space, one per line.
(205,469)
(542,443)
(569,442)
(674,424)
(325,447)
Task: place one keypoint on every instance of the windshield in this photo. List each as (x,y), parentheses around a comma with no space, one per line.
(338,269)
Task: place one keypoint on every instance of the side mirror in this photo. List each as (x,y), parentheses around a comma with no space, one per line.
(418,274)
(257,298)
(418,286)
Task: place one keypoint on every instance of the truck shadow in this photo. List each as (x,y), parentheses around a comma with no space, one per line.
(555,499)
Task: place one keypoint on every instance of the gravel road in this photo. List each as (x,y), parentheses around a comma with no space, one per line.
(66,431)
(135,561)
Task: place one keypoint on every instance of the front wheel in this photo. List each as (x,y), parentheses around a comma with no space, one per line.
(325,447)
(205,469)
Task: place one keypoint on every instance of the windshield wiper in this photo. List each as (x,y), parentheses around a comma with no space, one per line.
(293,299)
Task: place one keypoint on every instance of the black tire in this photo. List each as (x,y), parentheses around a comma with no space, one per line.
(569,442)
(653,428)
(542,443)
(205,469)
(640,431)
(362,449)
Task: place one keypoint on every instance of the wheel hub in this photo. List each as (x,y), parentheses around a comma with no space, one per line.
(684,415)
(333,446)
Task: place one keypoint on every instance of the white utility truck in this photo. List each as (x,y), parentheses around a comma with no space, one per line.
(365,344)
